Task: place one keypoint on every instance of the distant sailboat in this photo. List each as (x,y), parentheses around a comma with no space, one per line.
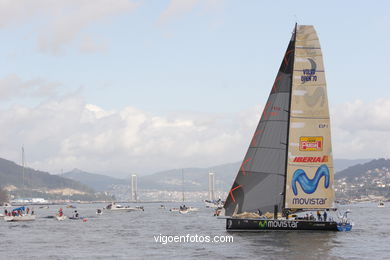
(288,167)
(183,209)
(20,213)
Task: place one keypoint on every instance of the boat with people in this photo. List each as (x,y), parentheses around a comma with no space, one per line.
(99,212)
(117,207)
(381,204)
(184,209)
(287,172)
(61,218)
(19,214)
(60,215)
(214,203)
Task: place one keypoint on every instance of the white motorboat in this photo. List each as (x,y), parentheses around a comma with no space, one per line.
(19,214)
(61,218)
(117,207)
(184,211)
(19,218)
(381,204)
(192,209)
(214,203)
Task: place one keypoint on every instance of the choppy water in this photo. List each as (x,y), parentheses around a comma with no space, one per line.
(130,235)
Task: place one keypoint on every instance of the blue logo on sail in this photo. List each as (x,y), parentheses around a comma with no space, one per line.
(310,185)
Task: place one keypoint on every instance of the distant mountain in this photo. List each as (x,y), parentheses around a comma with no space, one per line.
(97,182)
(361,169)
(34,183)
(195,179)
(342,164)
(368,181)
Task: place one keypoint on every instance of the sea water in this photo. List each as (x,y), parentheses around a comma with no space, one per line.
(138,235)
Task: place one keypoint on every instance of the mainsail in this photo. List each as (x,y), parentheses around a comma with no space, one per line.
(259,183)
(289,161)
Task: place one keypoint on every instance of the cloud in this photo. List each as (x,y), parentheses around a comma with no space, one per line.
(60,23)
(67,132)
(12,86)
(361,129)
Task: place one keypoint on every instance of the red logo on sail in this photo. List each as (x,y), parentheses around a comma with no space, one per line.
(311,159)
(311,143)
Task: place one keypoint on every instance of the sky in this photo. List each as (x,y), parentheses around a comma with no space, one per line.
(126,86)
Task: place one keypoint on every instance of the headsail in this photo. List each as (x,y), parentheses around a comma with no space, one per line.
(259,184)
(309,182)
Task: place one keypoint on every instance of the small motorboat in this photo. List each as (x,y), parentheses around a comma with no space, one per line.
(99,212)
(20,214)
(117,207)
(61,218)
(184,211)
(381,204)
(193,209)
(19,218)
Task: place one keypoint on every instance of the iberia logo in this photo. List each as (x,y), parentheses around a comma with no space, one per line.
(311,143)
(311,159)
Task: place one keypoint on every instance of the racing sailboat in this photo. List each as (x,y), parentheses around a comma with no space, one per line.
(288,168)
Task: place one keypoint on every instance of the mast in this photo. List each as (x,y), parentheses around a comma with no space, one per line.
(288,124)
(182,183)
(23,170)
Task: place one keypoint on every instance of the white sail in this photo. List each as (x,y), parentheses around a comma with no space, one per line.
(309,178)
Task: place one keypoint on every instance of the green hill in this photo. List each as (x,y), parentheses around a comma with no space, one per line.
(35,183)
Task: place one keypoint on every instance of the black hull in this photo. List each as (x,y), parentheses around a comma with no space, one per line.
(235,224)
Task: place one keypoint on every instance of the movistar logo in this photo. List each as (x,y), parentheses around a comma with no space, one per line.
(309,185)
(262,223)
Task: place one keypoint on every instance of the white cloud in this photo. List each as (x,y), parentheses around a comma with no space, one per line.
(361,129)
(12,86)
(67,133)
(60,23)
